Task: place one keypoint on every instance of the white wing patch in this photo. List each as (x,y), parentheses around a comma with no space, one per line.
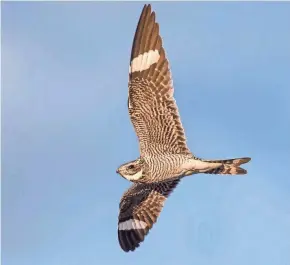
(132,224)
(144,61)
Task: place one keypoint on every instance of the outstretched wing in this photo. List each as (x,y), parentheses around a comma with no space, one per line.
(152,108)
(140,207)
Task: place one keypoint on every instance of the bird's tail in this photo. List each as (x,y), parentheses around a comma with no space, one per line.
(229,166)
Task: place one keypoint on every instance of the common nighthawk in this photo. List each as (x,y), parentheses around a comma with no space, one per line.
(164,156)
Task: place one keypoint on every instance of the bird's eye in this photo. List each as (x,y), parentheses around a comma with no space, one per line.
(131,167)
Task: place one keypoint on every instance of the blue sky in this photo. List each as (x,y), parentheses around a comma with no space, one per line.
(65,130)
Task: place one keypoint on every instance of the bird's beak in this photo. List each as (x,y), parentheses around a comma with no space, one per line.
(117,171)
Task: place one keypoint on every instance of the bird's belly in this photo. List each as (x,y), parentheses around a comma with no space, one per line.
(196,166)
(166,167)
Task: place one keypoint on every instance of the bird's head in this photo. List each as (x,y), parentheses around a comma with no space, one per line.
(132,171)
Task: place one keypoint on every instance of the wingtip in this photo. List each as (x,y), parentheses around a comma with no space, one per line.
(147,5)
(147,8)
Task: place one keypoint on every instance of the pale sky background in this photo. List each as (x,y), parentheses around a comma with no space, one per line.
(66,129)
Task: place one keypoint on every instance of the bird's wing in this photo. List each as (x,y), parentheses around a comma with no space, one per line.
(152,107)
(139,208)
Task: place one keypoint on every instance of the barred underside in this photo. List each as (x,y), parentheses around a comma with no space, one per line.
(152,108)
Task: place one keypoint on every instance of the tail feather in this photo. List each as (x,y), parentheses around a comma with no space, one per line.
(229,166)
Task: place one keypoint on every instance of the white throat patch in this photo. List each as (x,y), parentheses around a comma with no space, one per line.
(137,176)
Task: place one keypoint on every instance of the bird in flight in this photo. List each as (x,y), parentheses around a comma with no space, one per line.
(164,155)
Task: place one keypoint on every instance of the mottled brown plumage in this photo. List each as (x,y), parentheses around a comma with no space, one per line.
(152,108)
(142,202)
(164,156)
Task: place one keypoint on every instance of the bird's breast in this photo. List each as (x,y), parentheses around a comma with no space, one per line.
(165,166)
